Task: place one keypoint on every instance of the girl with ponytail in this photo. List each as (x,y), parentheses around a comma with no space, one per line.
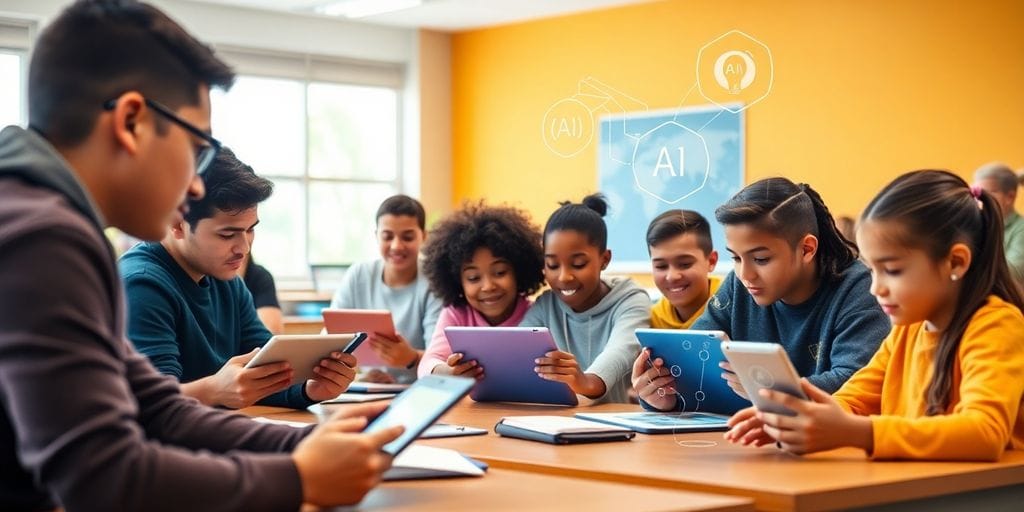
(797,282)
(948,380)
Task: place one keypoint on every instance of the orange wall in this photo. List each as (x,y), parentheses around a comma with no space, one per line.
(863,91)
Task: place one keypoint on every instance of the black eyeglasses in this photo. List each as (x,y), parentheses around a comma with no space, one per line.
(204,154)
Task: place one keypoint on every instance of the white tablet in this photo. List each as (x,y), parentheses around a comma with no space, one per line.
(763,365)
(304,351)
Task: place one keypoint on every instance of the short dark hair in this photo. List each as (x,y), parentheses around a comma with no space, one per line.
(585,217)
(231,186)
(402,204)
(97,50)
(677,222)
(791,211)
(505,230)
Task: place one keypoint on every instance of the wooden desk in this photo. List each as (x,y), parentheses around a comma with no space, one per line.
(510,490)
(775,480)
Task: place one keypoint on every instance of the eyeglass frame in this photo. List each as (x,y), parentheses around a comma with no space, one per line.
(202,161)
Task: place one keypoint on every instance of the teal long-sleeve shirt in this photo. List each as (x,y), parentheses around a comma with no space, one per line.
(189,329)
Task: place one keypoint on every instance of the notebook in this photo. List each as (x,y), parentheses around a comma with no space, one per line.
(418,462)
(376,387)
(661,422)
(560,430)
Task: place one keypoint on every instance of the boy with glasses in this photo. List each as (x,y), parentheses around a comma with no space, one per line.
(86,423)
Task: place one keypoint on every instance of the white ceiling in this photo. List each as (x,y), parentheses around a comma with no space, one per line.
(446,15)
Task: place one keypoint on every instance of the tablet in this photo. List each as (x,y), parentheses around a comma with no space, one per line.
(304,351)
(360,320)
(649,422)
(692,357)
(418,407)
(507,356)
(764,365)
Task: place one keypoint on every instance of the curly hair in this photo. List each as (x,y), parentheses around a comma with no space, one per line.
(505,230)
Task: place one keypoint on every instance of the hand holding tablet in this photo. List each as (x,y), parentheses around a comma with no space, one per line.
(304,352)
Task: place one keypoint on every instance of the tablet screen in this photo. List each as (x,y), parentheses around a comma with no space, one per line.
(419,407)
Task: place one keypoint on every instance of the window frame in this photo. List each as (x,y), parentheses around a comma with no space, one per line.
(310,69)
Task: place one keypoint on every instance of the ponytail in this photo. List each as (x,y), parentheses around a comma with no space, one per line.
(791,211)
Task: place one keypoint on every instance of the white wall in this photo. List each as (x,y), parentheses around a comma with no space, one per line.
(251,28)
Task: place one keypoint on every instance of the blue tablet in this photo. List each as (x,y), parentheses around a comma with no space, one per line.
(507,356)
(692,357)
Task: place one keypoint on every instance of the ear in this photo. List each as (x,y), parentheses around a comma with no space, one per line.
(127,112)
(179,229)
(959,260)
(712,261)
(808,248)
(606,258)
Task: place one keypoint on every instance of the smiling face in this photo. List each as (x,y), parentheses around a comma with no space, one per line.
(572,268)
(217,246)
(770,267)
(489,284)
(680,270)
(399,238)
(909,285)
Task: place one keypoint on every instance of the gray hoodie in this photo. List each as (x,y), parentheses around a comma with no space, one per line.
(603,337)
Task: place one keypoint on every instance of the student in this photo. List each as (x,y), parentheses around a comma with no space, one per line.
(1001,183)
(682,257)
(947,382)
(190,313)
(797,282)
(483,262)
(592,320)
(395,283)
(260,283)
(118,130)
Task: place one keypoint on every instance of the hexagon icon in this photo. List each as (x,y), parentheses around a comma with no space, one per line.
(734,71)
(671,162)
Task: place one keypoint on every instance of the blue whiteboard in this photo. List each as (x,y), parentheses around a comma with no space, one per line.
(639,147)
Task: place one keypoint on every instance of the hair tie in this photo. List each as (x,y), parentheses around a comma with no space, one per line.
(976,191)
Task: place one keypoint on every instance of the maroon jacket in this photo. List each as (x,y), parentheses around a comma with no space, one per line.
(86,423)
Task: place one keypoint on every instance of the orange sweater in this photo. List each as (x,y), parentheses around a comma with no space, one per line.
(985,416)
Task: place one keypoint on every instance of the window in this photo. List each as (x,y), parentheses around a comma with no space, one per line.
(15,36)
(332,151)
(12,101)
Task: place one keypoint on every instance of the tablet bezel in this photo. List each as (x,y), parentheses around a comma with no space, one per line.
(302,351)
(456,387)
(714,396)
(360,320)
(507,356)
(745,356)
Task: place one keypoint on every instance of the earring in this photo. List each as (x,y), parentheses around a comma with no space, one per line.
(954,277)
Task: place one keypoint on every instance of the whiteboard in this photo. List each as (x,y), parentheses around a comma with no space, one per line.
(649,162)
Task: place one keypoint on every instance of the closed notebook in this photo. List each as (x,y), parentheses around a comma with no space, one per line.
(419,462)
(560,430)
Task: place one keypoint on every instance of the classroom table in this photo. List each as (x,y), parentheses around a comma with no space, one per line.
(511,490)
(703,462)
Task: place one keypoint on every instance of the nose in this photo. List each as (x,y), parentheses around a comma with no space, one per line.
(746,272)
(196,188)
(878,288)
(564,276)
(675,275)
(486,284)
(396,244)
